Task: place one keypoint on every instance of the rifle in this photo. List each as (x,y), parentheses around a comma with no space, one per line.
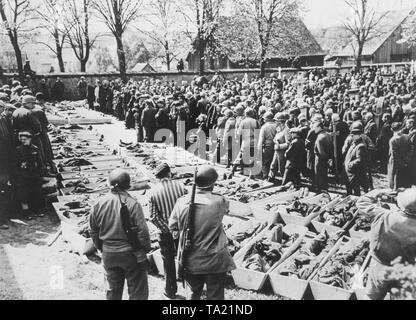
(185,243)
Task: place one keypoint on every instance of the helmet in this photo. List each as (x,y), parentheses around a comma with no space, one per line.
(357,127)
(262,110)
(268,116)
(206,177)
(407,201)
(228,113)
(249,112)
(40,96)
(279,117)
(25,133)
(239,110)
(28,99)
(119,178)
(295,131)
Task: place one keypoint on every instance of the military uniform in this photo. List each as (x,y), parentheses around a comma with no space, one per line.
(393,235)
(120,261)
(208,260)
(266,144)
(355,167)
(295,161)
(323,152)
(401,151)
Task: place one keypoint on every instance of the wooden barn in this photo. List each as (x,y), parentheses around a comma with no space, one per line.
(298,43)
(386,47)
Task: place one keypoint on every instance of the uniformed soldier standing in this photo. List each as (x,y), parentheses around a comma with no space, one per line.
(266,144)
(323,152)
(356,164)
(121,261)
(393,235)
(29,171)
(208,260)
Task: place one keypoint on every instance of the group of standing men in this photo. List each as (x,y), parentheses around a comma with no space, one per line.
(26,156)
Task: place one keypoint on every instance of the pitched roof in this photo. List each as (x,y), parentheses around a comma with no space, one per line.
(388,25)
(140,67)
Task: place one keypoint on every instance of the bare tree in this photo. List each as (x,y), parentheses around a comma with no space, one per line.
(362,25)
(117,15)
(163,29)
(16,16)
(49,13)
(77,26)
(204,15)
(268,15)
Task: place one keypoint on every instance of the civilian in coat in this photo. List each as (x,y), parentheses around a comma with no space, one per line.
(383,141)
(355,164)
(323,152)
(401,152)
(149,121)
(229,138)
(412,137)
(295,159)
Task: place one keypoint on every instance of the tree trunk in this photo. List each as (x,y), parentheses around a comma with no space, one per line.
(359,56)
(60,59)
(18,54)
(121,58)
(201,51)
(83,65)
(263,62)
(167,55)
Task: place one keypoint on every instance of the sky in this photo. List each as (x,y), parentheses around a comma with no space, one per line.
(325,13)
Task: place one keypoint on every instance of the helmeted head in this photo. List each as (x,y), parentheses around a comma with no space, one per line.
(249,112)
(206,177)
(280,117)
(228,114)
(268,116)
(119,179)
(336,118)
(357,128)
(407,201)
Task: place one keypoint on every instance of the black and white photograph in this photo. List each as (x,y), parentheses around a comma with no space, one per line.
(229,151)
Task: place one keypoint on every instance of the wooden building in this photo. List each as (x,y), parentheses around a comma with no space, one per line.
(384,48)
(298,43)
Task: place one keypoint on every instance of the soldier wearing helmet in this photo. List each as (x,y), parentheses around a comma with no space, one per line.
(208,261)
(266,143)
(122,259)
(281,144)
(393,235)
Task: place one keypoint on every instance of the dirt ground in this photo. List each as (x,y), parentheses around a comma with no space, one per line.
(29,269)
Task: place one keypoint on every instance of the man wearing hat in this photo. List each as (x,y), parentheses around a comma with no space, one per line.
(162,200)
(393,235)
(323,152)
(25,120)
(229,138)
(303,126)
(82,88)
(29,170)
(295,159)
(123,259)
(342,131)
(356,164)
(281,144)
(246,132)
(208,261)
(148,121)
(266,143)
(401,152)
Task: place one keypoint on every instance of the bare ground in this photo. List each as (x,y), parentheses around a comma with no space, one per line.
(28,269)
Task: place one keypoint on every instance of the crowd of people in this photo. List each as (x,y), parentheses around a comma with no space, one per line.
(350,124)
(302,126)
